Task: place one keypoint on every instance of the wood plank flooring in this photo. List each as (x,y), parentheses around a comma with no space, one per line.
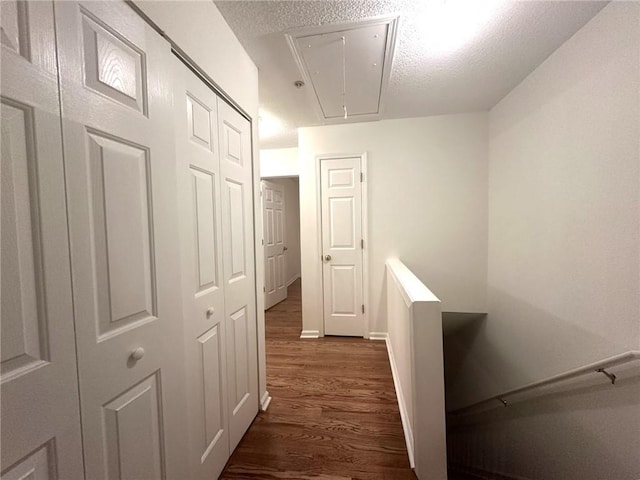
(334,413)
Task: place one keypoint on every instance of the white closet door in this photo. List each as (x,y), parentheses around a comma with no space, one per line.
(120,167)
(39,412)
(238,269)
(341,188)
(196,120)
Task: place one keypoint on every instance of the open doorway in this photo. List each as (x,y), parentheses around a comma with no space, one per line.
(281,234)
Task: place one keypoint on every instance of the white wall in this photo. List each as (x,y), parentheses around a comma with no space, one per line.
(279,162)
(564,257)
(200,30)
(292,227)
(427,197)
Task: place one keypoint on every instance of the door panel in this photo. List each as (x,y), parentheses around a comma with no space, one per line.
(198,167)
(239,270)
(39,410)
(274,220)
(132,430)
(341,246)
(121,189)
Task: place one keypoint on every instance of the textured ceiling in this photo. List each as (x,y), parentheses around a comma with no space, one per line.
(512,43)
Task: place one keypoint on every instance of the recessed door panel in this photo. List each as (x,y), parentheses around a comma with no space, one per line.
(205,228)
(132,433)
(24,316)
(213,374)
(39,465)
(341,246)
(341,178)
(343,292)
(232,143)
(123,239)
(14,27)
(236,225)
(199,122)
(240,374)
(342,223)
(113,66)
(271,275)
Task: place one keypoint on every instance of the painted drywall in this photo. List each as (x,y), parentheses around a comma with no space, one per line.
(564,265)
(199,29)
(427,205)
(292,225)
(279,162)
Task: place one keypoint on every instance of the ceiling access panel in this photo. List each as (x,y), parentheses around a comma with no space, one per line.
(361,63)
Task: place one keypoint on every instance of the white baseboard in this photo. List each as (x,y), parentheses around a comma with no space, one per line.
(293,279)
(265,401)
(310,334)
(378,335)
(404,415)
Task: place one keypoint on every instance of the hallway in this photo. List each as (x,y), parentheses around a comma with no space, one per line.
(334,412)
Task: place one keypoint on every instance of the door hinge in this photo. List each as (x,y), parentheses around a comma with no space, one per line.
(361,177)
(362,243)
(362,308)
(264,289)
(262,241)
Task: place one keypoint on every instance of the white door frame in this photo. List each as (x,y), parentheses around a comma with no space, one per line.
(365,231)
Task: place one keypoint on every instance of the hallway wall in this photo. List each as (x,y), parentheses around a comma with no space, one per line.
(427,200)
(279,162)
(563,276)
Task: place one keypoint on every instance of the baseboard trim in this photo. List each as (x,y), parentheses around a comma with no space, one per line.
(481,474)
(378,336)
(404,415)
(310,334)
(265,401)
(293,280)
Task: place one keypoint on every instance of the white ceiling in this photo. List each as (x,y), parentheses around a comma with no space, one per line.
(499,53)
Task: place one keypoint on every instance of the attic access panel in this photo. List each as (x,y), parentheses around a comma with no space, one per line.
(363,63)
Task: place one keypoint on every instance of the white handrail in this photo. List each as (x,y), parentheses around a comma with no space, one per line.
(595,367)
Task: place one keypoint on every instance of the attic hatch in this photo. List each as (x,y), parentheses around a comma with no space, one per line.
(359,65)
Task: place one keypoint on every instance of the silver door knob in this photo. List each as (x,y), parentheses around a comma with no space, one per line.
(210,312)
(137,354)
(327,258)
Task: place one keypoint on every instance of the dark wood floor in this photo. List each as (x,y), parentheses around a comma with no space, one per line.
(334,413)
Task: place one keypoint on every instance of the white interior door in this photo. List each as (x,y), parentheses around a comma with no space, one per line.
(120,167)
(39,411)
(275,263)
(198,159)
(238,270)
(341,190)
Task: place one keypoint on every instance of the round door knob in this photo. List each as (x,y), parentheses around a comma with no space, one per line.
(137,354)
(327,258)
(210,312)
(284,249)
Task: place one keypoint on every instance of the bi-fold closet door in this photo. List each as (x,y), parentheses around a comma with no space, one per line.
(216,213)
(114,365)
(120,173)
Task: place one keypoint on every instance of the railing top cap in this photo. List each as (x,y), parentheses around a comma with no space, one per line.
(413,288)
